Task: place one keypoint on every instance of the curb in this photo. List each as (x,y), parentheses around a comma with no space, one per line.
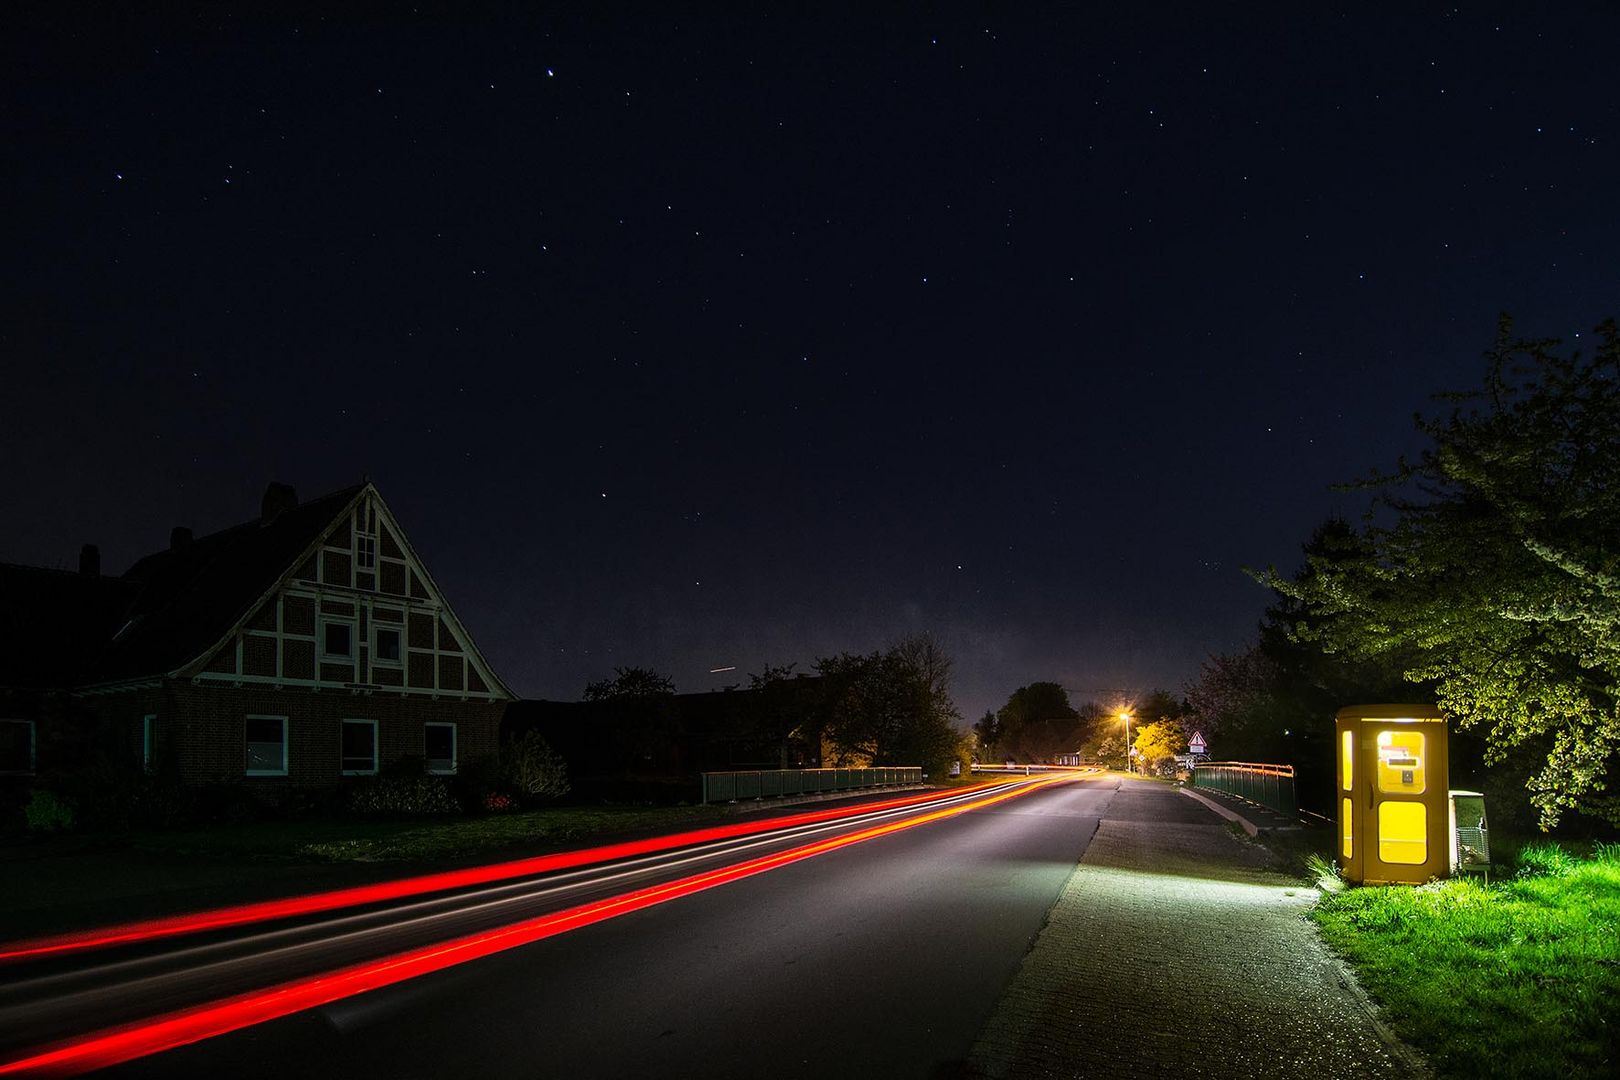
(1230,815)
(1406,1054)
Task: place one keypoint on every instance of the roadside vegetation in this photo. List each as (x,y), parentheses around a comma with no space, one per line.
(74,880)
(420,839)
(1516,978)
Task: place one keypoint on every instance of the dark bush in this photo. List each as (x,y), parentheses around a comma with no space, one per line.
(476,781)
(113,797)
(226,803)
(403,795)
(532,769)
(48,812)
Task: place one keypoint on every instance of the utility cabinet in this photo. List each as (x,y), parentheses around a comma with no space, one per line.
(1470,833)
(1394,808)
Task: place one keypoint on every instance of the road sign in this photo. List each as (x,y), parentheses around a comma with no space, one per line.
(1196,744)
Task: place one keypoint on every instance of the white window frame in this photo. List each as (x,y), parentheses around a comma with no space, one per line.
(455,747)
(354,632)
(375,749)
(284,749)
(33,747)
(149,741)
(398,630)
(365,553)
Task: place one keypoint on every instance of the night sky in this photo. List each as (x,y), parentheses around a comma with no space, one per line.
(693,342)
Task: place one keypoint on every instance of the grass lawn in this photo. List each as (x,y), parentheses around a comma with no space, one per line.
(424,839)
(1518,978)
(81,881)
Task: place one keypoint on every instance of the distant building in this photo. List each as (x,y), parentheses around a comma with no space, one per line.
(305,645)
(655,747)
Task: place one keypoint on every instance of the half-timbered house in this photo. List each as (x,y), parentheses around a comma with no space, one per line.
(306,645)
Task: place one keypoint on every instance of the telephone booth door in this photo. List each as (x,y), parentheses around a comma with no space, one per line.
(1392,796)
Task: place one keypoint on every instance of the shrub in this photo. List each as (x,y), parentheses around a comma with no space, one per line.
(531,768)
(113,796)
(1545,859)
(227,803)
(48,812)
(403,795)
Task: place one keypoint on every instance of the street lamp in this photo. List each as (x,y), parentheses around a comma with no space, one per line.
(1126,716)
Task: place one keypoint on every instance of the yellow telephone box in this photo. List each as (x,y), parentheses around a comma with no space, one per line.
(1393,802)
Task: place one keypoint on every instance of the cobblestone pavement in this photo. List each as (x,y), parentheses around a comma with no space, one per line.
(1176,950)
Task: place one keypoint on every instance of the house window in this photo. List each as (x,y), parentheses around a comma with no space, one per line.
(441,748)
(148,741)
(366,552)
(267,746)
(16,746)
(359,747)
(337,639)
(385,649)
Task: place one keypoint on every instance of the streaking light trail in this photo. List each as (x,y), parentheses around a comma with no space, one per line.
(103,1049)
(315,903)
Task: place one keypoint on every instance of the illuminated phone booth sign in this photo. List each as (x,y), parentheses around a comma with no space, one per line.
(1394,813)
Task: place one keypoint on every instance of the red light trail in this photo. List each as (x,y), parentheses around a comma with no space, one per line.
(315,903)
(103,1049)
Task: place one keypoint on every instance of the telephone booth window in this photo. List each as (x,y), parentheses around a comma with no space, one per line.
(1347,759)
(1400,763)
(1346,814)
(1402,832)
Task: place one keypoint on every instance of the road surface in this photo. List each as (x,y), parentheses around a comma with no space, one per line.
(881,958)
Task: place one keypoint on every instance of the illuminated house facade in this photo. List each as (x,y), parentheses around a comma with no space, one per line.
(292,650)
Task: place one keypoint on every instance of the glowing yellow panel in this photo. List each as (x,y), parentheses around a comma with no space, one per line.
(1403,832)
(1400,762)
(1344,818)
(1347,757)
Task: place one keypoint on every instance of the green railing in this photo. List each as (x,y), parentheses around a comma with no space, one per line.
(1268,785)
(774,783)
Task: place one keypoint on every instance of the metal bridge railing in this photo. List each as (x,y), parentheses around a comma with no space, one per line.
(1268,785)
(771,783)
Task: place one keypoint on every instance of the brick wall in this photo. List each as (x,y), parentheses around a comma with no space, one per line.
(208,727)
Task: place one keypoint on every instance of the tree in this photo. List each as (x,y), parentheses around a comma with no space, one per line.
(1107,747)
(782,718)
(1037,723)
(892,707)
(1157,742)
(1489,567)
(988,729)
(1274,700)
(631,682)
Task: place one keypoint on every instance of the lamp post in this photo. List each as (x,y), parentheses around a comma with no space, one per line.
(1125,716)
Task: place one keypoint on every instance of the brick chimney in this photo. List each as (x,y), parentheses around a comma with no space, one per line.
(179,538)
(90,561)
(278,498)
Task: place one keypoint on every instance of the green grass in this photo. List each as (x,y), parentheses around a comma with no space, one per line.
(76,881)
(1518,978)
(428,839)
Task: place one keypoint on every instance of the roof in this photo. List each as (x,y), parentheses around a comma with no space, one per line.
(187,600)
(53,622)
(59,628)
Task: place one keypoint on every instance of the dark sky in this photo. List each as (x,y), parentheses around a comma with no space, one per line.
(695,342)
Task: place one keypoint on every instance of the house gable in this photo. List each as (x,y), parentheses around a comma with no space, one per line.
(356,610)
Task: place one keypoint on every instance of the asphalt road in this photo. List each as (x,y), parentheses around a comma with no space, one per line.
(881,959)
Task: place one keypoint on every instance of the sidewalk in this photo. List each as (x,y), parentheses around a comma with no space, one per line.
(1176,949)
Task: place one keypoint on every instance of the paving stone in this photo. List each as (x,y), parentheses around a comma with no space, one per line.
(1177,950)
